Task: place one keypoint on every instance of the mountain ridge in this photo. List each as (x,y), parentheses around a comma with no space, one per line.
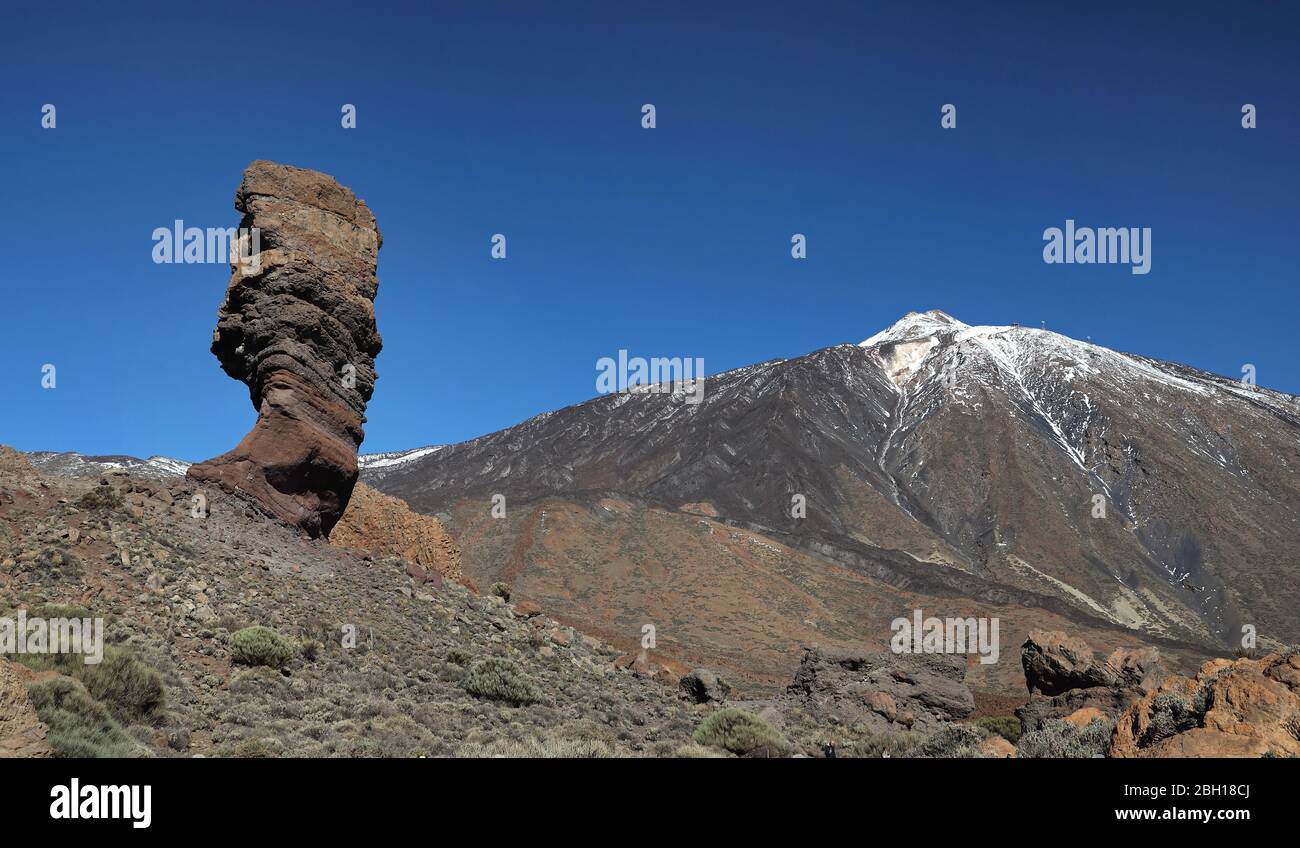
(967,461)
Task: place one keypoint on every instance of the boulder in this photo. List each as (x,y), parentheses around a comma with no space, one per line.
(888,691)
(703,685)
(527,609)
(298,327)
(1066,678)
(1055,662)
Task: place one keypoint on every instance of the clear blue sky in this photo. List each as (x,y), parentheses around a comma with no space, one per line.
(524,119)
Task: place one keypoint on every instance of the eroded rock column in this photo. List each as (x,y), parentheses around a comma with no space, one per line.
(298,326)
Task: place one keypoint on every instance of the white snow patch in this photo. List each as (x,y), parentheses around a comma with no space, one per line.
(391,458)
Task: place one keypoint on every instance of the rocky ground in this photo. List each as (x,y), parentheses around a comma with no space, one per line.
(174,589)
(437,669)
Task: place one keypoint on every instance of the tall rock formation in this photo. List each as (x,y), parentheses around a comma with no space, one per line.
(298,326)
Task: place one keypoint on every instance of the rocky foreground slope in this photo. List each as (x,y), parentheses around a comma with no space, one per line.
(176,588)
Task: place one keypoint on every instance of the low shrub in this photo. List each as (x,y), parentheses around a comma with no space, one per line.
(80,726)
(741,733)
(1170,715)
(1008,727)
(550,748)
(499,679)
(310,649)
(260,645)
(100,498)
(130,689)
(1058,739)
(884,744)
(955,741)
(252,749)
(501,590)
(697,752)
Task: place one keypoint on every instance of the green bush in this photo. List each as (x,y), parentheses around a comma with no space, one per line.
(741,733)
(500,680)
(131,690)
(955,741)
(310,649)
(1008,727)
(260,645)
(80,726)
(1058,739)
(100,497)
(883,744)
(501,590)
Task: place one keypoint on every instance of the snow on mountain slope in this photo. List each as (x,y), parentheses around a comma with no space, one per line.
(72,464)
(375,466)
(384,460)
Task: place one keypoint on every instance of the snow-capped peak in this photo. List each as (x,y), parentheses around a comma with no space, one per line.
(916,325)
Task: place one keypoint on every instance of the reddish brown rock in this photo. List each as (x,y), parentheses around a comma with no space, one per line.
(1232,708)
(641,665)
(527,609)
(298,326)
(22,734)
(386,526)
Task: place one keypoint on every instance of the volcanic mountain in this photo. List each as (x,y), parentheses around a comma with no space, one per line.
(984,470)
